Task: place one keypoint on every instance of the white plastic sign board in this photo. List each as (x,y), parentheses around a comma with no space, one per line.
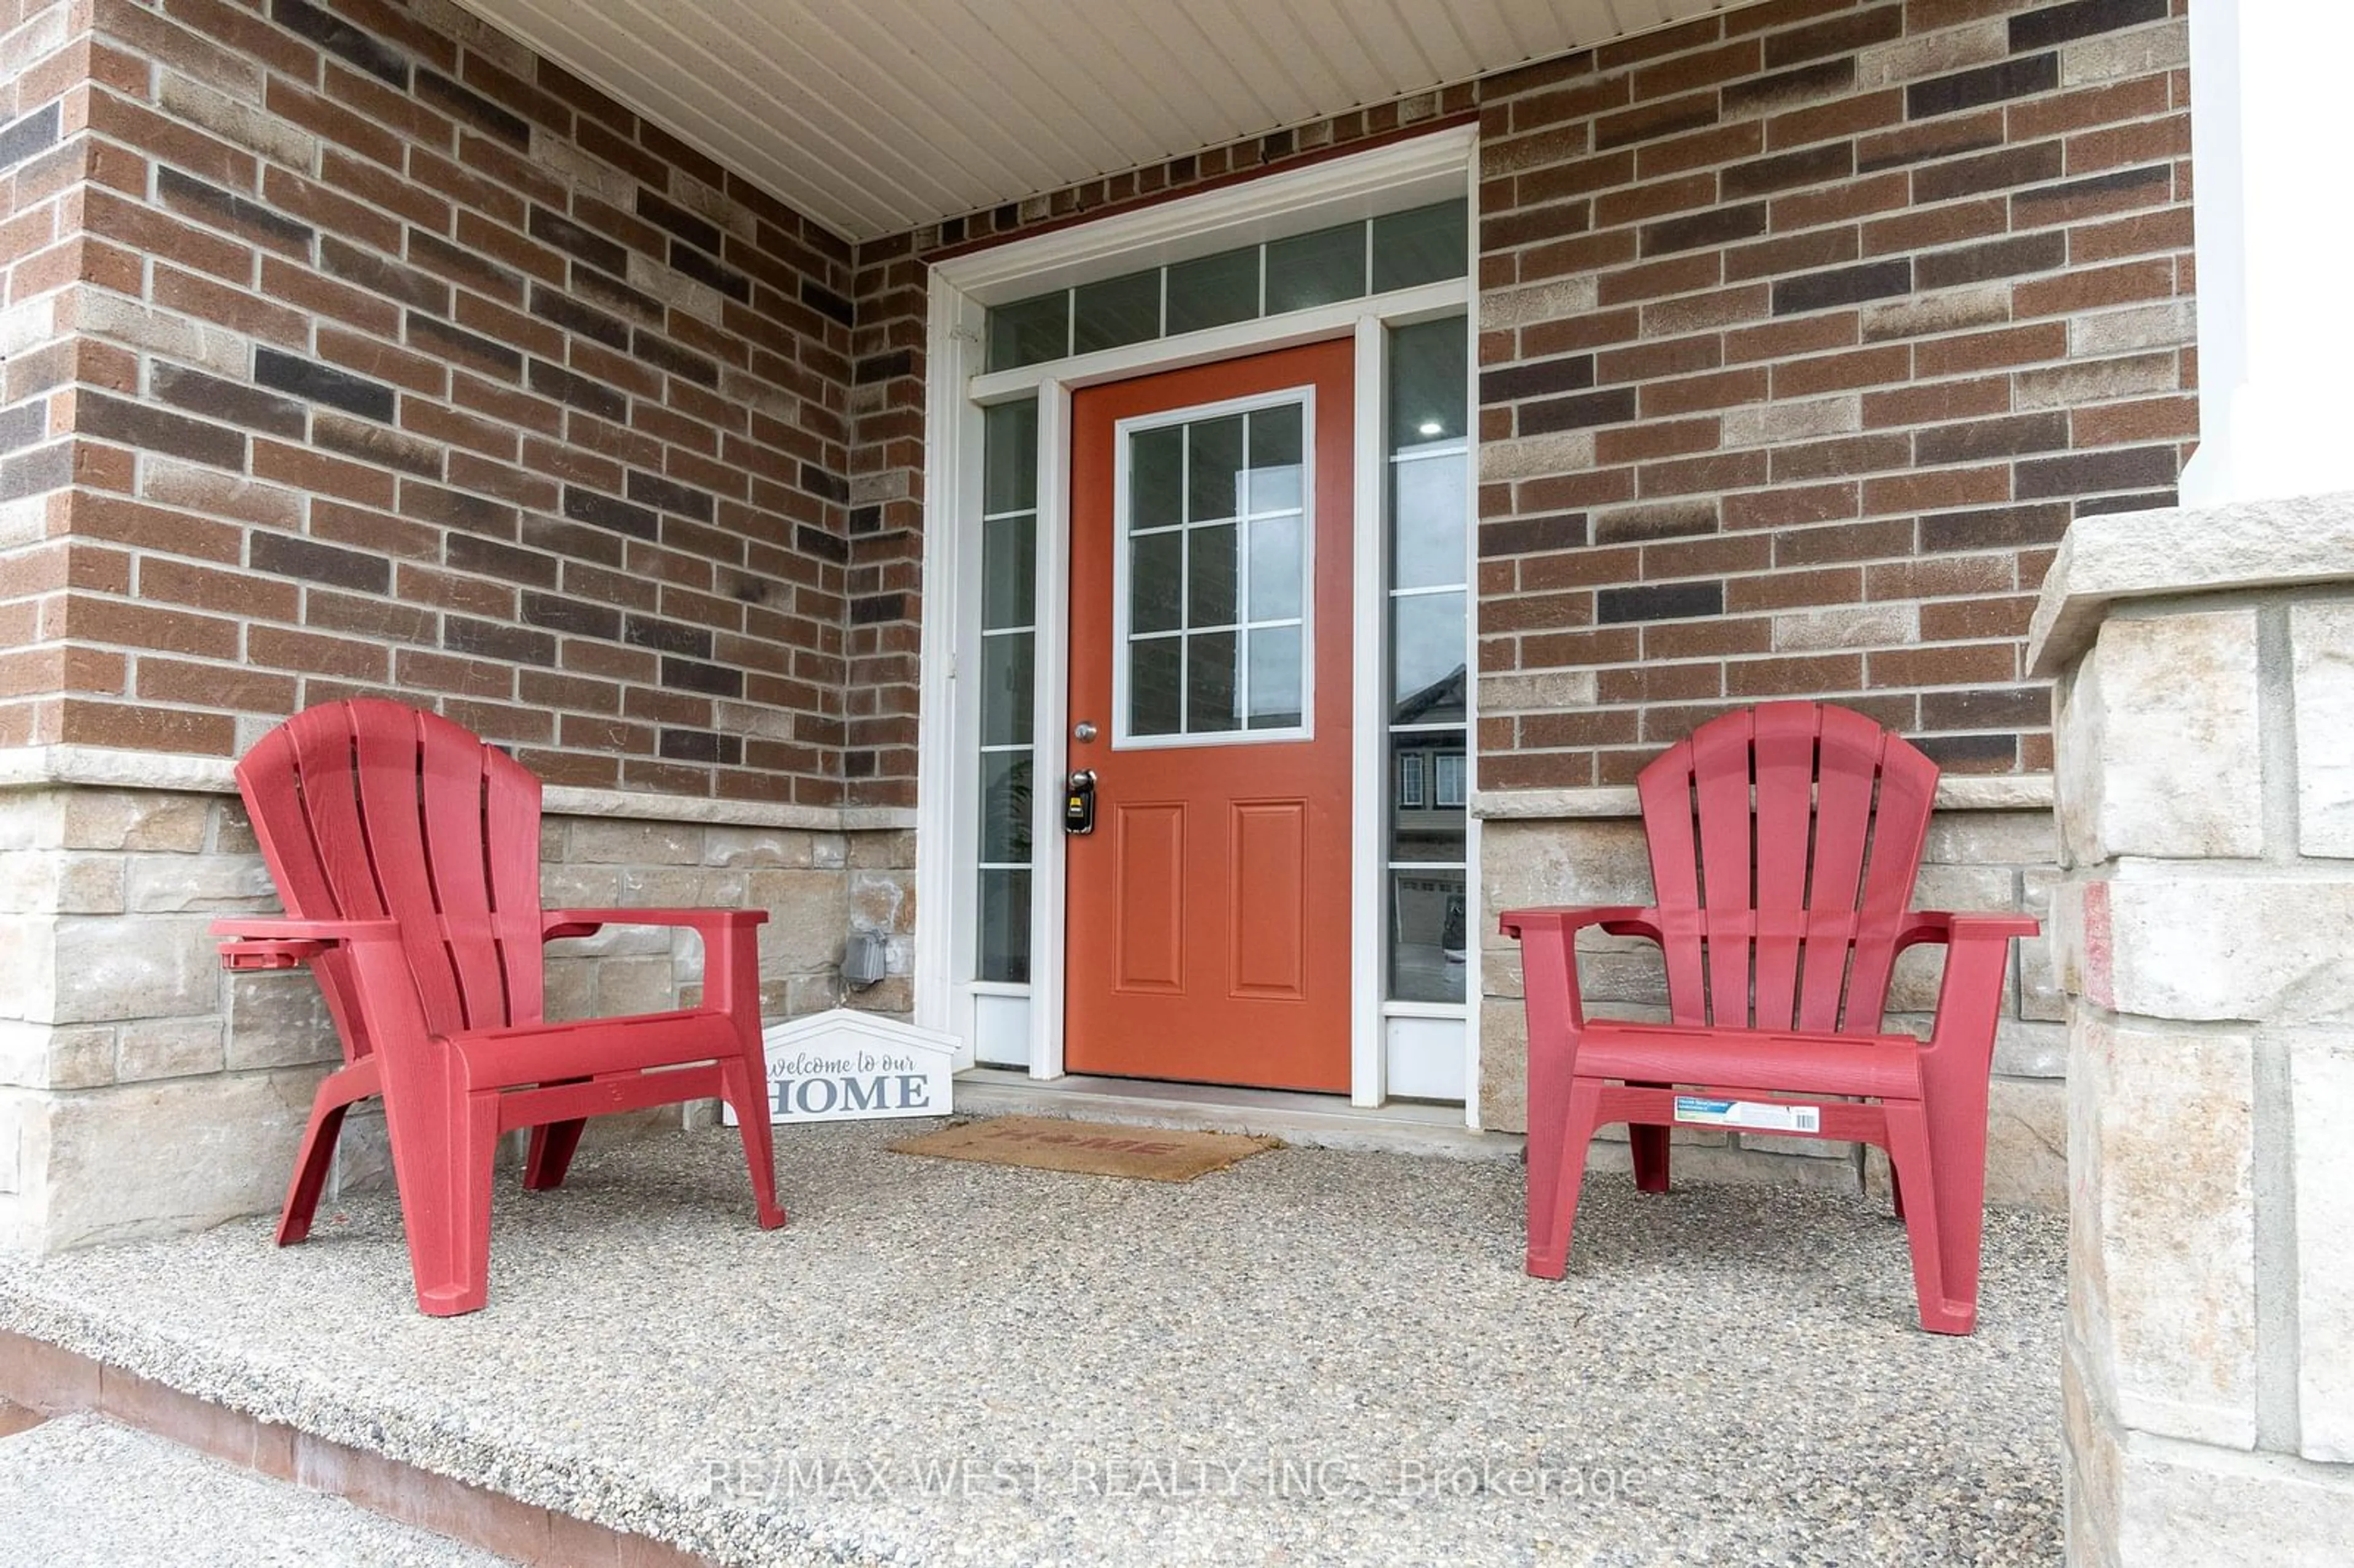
(846,1065)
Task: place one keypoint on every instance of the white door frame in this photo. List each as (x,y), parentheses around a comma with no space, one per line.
(1401,175)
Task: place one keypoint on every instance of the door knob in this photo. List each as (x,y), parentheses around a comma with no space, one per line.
(1085,730)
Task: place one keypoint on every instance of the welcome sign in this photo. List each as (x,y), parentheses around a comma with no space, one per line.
(846,1065)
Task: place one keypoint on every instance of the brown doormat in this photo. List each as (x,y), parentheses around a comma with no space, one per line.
(1088,1147)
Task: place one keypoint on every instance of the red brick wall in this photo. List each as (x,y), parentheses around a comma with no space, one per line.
(39,256)
(389,358)
(412,364)
(1805,331)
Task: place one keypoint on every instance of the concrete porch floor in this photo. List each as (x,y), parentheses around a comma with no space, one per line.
(1314,1357)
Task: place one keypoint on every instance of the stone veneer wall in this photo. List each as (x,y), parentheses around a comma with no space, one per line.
(1996,858)
(2205,709)
(143,1088)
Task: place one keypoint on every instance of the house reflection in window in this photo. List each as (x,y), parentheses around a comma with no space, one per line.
(1429,946)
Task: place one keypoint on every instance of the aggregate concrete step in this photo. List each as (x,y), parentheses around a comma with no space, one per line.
(81,1491)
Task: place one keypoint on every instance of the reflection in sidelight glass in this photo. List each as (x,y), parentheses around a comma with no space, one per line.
(1430,674)
(1009,541)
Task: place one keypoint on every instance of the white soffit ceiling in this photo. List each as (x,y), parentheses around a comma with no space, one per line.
(874,116)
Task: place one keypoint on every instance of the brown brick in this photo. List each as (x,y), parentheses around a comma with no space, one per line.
(1838,542)
(145,728)
(1794,590)
(2090,288)
(1932,489)
(1798,252)
(1787,505)
(1723,389)
(1842,371)
(1842,202)
(1923,402)
(1992,350)
(2149,419)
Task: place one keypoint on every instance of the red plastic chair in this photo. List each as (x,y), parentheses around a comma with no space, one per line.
(406,854)
(1784,842)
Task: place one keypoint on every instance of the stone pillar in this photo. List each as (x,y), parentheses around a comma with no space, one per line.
(2204,928)
(2267,122)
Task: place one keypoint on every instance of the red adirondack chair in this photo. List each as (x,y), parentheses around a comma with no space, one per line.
(1784,842)
(406,854)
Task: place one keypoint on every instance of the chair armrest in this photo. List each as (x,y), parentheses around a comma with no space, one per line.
(1947,927)
(1549,984)
(272,942)
(731,949)
(1969,996)
(558,923)
(1618,919)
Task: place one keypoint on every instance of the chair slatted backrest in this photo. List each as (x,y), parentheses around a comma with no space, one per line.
(1784,842)
(366,809)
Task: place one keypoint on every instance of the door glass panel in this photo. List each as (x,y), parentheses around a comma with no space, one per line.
(1156,478)
(1156,582)
(1275,677)
(1214,449)
(1212,689)
(1216,627)
(1275,577)
(1155,686)
(1274,459)
(1210,576)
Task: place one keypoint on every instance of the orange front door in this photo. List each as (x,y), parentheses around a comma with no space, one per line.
(1209,911)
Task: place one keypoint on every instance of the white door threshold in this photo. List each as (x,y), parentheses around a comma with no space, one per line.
(1317,1121)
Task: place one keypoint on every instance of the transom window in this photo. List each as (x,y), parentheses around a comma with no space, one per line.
(1346,261)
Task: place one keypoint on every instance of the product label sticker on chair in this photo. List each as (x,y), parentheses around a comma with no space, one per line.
(1758,1116)
(846,1065)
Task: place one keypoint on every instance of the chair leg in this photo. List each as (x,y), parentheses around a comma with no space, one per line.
(1649,1145)
(550,1155)
(444,1144)
(1557,1180)
(1948,1304)
(311,1163)
(749,1096)
(1895,1191)
(316,1156)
